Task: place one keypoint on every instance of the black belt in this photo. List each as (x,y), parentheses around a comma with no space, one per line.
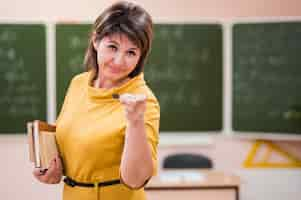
(73,183)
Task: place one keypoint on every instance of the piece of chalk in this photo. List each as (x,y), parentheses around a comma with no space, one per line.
(130,97)
(140,97)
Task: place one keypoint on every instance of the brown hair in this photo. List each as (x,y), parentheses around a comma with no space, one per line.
(122,18)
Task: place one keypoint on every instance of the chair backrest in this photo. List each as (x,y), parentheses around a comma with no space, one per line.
(185,161)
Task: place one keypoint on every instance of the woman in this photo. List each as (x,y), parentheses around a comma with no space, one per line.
(107,130)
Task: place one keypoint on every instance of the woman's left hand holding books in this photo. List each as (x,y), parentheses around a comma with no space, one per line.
(53,174)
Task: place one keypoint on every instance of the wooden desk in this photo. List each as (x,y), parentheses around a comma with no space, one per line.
(213,186)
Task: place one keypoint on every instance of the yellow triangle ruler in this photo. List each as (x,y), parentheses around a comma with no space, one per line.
(262,152)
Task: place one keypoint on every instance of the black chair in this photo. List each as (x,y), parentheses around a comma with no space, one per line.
(186,161)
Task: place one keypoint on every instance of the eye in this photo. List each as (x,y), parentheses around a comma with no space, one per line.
(112,47)
(131,53)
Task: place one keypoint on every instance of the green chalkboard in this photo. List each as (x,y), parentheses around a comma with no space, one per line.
(71,44)
(266,77)
(184,70)
(22,75)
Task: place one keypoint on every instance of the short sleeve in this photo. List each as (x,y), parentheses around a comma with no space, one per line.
(152,119)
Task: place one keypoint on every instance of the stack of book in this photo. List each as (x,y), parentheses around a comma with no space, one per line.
(42,143)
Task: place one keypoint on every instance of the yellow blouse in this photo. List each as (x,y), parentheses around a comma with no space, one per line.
(90,135)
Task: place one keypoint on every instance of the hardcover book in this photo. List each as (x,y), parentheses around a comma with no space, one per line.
(42,143)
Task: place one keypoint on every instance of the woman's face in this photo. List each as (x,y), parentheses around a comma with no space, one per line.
(117,57)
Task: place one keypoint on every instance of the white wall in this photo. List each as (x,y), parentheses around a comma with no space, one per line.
(42,10)
(15,171)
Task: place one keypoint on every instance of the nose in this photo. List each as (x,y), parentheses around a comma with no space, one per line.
(118,59)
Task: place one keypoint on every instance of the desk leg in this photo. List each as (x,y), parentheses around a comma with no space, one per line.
(237,193)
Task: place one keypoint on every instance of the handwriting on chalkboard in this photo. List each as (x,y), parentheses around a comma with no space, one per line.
(267,76)
(19,95)
(178,70)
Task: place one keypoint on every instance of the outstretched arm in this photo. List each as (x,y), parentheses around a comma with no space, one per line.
(136,163)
